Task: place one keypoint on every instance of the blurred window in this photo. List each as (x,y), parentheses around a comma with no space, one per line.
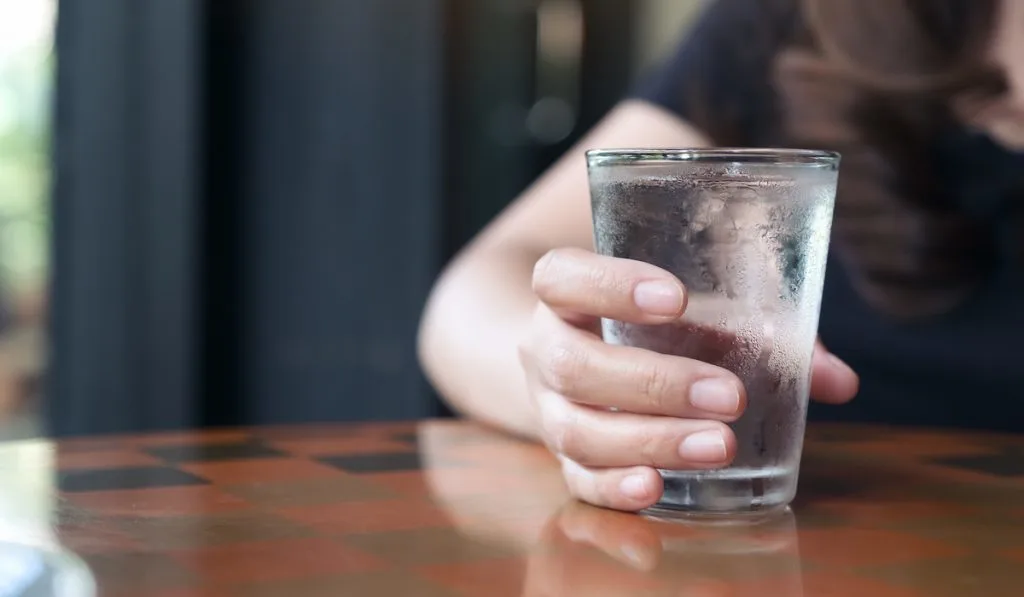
(26,82)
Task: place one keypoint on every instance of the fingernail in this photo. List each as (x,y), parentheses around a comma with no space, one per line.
(704,446)
(659,297)
(718,396)
(634,487)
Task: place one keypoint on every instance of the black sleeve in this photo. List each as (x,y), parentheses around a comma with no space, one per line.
(719,79)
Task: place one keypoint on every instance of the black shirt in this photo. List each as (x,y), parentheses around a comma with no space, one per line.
(962,369)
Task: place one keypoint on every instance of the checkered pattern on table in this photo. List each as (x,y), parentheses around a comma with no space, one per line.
(347,510)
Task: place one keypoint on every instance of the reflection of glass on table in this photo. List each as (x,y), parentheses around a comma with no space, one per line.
(747,232)
(586,551)
(768,549)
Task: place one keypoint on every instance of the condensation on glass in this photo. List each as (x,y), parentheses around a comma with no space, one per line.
(747,232)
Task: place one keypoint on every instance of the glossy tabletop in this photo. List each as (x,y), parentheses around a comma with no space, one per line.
(447,509)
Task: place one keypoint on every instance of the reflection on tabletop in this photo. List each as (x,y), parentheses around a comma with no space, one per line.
(588,552)
(881,512)
(448,509)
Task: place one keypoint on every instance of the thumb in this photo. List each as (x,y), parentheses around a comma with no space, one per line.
(832,380)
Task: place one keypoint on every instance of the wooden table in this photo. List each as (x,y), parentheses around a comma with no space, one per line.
(446,509)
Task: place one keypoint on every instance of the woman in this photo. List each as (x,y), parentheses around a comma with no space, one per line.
(922,97)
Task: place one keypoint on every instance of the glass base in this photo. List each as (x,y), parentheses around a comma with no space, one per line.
(706,517)
(726,496)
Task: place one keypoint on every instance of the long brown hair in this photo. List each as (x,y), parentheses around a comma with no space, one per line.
(881,81)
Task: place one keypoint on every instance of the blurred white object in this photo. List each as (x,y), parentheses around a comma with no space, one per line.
(27,571)
(27,493)
(32,563)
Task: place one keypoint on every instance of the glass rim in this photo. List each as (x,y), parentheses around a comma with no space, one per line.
(744,155)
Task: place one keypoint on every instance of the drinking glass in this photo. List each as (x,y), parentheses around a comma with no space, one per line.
(747,232)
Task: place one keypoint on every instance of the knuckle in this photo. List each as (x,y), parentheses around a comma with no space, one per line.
(545,272)
(575,446)
(563,433)
(601,279)
(569,438)
(564,364)
(581,482)
(655,385)
(650,447)
(609,286)
(573,474)
(556,421)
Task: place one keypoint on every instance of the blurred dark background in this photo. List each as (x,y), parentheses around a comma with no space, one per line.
(236,208)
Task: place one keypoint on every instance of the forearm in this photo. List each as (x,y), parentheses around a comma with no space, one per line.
(469,338)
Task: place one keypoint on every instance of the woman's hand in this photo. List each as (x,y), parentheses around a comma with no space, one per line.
(613,414)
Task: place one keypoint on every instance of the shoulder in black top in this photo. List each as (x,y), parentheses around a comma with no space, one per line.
(724,65)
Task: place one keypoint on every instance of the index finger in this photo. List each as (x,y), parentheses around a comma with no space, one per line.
(574,281)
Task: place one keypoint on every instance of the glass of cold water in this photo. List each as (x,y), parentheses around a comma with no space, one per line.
(747,232)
